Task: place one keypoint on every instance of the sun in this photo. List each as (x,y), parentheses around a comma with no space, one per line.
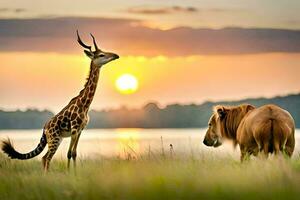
(127,84)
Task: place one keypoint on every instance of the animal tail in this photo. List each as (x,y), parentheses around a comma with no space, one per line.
(279,135)
(267,137)
(8,148)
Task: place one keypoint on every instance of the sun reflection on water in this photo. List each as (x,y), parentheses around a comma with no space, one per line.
(128,143)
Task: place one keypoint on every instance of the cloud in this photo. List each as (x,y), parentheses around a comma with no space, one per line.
(126,37)
(222,10)
(3,10)
(16,10)
(162,10)
(178,9)
(19,10)
(292,22)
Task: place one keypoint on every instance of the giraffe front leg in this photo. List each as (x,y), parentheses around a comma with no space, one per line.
(74,150)
(69,155)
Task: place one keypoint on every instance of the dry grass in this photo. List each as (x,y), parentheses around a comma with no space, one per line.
(152,177)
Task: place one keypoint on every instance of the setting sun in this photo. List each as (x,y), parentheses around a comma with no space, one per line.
(127,84)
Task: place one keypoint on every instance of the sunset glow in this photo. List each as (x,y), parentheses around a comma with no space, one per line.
(125,99)
(177,52)
(45,80)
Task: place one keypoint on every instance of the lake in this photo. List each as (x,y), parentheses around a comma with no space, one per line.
(128,142)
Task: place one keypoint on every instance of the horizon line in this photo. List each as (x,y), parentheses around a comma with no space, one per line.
(158,104)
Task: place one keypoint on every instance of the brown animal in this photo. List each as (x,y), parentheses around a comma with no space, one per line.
(265,129)
(73,118)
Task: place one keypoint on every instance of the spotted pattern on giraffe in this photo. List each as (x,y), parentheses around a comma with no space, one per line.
(73,118)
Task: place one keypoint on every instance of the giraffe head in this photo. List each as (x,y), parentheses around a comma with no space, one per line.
(98,57)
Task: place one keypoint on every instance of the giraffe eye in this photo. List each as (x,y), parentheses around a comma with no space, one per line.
(101,55)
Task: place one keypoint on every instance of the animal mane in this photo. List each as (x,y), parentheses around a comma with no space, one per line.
(234,115)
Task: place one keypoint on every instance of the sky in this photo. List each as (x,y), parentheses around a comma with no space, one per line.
(184,52)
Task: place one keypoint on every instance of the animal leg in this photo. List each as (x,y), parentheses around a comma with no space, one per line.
(44,160)
(52,147)
(245,156)
(74,151)
(69,155)
(244,153)
(289,146)
(259,149)
(256,147)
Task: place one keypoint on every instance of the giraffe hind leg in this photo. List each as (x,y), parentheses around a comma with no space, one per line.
(52,148)
(44,160)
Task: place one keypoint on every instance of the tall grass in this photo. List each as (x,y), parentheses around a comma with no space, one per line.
(152,176)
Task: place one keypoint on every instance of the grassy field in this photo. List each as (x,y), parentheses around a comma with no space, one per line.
(152,177)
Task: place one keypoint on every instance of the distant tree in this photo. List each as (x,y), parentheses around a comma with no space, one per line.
(149,116)
(29,119)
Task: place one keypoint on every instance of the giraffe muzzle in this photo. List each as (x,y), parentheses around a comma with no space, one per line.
(115,56)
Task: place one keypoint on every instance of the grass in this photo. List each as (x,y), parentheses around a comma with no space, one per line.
(156,176)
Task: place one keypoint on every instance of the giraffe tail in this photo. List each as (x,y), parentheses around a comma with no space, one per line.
(7,147)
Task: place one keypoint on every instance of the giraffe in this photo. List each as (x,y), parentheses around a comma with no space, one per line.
(72,119)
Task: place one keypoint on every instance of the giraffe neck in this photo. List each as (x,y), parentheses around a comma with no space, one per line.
(86,95)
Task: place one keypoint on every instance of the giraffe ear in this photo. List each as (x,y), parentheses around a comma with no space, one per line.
(89,54)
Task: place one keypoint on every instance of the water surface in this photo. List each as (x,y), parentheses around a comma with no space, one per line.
(128,142)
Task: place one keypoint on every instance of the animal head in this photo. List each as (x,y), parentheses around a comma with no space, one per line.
(213,136)
(98,57)
(224,123)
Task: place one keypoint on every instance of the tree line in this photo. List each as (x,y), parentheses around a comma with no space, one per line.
(149,116)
